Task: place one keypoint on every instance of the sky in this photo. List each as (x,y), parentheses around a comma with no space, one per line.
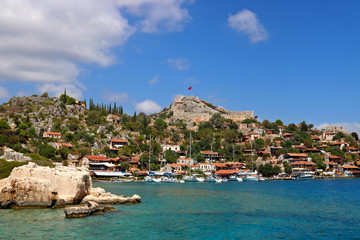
(289,60)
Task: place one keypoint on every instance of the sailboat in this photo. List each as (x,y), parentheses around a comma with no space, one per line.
(190,178)
(251,177)
(150,178)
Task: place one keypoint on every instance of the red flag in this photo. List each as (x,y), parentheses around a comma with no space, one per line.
(190,88)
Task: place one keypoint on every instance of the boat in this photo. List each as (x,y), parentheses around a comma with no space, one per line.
(239,179)
(211,179)
(307,175)
(151,178)
(251,178)
(233,178)
(200,179)
(218,180)
(190,178)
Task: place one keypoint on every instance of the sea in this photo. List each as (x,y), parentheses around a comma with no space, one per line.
(315,209)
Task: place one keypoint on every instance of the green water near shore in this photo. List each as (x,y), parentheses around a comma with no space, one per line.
(317,209)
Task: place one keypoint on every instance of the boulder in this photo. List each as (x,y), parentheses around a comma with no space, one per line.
(99,196)
(34,186)
(87,209)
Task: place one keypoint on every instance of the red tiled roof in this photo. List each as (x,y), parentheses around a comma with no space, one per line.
(350,167)
(297,154)
(331,163)
(66,145)
(333,156)
(219,165)
(97,158)
(118,140)
(177,165)
(288,134)
(209,152)
(53,133)
(226,172)
(302,163)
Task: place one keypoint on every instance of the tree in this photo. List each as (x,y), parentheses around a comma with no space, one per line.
(266,123)
(355,136)
(303,126)
(47,151)
(287,167)
(160,124)
(279,122)
(124,166)
(4,125)
(338,136)
(217,121)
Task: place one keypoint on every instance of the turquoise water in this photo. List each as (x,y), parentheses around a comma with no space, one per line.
(317,209)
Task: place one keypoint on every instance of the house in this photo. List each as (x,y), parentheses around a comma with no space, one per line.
(219,166)
(334,159)
(52,135)
(226,172)
(288,136)
(61,145)
(206,167)
(213,156)
(113,119)
(117,143)
(173,148)
(328,136)
(353,150)
(294,157)
(315,138)
(252,136)
(185,161)
(303,165)
(175,168)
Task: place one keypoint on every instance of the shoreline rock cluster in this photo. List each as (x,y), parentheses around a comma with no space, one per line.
(32,186)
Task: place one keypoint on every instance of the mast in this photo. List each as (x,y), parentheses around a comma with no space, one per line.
(149,153)
(252,167)
(233,152)
(190,144)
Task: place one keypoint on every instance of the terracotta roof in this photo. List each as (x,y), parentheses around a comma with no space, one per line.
(315,137)
(226,172)
(118,140)
(97,158)
(302,163)
(333,156)
(288,134)
(219,165)
(53,133)
(324,146)
(209,152)
(353,148)
(204,164)
(66,145)
(177,165)
(331,163)
(349,166)
(297,154)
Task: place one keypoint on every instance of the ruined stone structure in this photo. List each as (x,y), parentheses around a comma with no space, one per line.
(192,109)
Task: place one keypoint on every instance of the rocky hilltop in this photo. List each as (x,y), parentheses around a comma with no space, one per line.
(192,109)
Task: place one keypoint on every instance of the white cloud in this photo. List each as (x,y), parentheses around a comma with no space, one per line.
(247,22)
(148,107)
(4,93)
(115,97)
(45,42)
(349,127)
(179,64)
(154,80)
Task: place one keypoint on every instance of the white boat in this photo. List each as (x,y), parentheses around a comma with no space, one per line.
(152,179)
(218,180)
(308,175)
(200,179)
(239,179)
(261,179)
(190,179)
(251,178)
(233,178)
(211,179)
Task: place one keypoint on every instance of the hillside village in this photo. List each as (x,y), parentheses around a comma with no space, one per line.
(101,137)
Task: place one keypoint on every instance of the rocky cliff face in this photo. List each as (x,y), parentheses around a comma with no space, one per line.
(192,109)
(34,186)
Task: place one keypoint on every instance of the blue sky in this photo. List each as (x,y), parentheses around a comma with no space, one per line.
(289,60)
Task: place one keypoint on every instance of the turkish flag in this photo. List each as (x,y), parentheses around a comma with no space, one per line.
(190,88)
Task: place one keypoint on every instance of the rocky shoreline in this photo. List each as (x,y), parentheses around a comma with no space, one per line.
(32,186)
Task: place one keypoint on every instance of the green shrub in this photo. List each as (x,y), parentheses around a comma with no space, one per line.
(6,167)
(39,160)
